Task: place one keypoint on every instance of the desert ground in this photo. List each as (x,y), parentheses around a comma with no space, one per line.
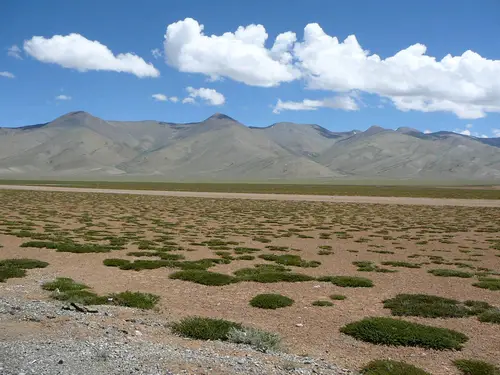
(398,240)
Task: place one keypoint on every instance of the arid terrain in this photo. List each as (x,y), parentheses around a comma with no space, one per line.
(392,242)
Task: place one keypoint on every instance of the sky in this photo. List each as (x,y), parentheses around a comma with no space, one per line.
(429,65)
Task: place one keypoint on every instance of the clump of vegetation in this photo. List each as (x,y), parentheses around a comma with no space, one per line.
(488,283)
(245,257)
(401,264)
(338,297)
(204,277)
(16,268)
(66,289)
(367,266)
(270,275)
(257,338)
(245,250)
(490,316)
(429,306)
(134,299)
(322,303)
(290,260)
(72,247)
(389,367)
(271,301)
(348,281)
(205,328)
(388,331)
(475,367)
(443,272)
(116,262)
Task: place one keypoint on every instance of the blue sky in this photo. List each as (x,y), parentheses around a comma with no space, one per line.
(338,85)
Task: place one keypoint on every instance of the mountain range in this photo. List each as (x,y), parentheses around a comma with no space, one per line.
(220,148)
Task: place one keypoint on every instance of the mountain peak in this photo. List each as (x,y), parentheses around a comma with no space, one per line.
(407,130)
(374,129)
(220,116)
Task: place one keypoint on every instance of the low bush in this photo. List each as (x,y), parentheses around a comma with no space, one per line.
(338,297)
(490,316)
(348,281)
(388,331)
(63,284)
(389,367)
(290,260)
(450,273)
(488,283)
(204,328)
(475,367)
(401,264)
(258,339)
(267,275)
(429,306)
(245,257)
(322,303)
(16,268)
(204,277)
(270,301)
(115,262)
(134,299)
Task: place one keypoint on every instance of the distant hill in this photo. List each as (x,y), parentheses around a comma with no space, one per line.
(220,148)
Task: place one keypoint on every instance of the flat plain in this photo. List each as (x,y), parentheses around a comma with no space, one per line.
(210,257)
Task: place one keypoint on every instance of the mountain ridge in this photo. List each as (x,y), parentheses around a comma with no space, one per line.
(220,147)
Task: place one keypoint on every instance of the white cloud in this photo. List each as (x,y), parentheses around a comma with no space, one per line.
(427,131)
(7,75)
(496,132)
(466,132)
(76,52)
(241,56)
(63,97)
(14,51)
(160,97)
(344,102)
(466,85)
(210,96)
(174,99)
(188,100)
(156,53)
(469,126)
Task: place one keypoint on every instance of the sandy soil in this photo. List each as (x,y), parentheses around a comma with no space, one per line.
(355,232)
(284,197)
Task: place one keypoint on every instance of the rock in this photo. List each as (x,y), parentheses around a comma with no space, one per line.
(299,325)
(60,362)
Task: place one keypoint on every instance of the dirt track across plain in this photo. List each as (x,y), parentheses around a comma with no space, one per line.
(285,197)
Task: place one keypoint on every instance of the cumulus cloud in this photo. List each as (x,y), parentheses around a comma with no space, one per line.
(164,98)
(345,103)
(15,52)
(76,52)
(240,55)
(496,132)
(427,131)
(209,96)
(7,75)
(188,100)
(468,132)
(466,85)
(63,97)
(156,53)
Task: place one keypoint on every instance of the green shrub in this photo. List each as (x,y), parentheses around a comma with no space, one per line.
(348,281)
(338,297)
(290,260)
(475,367)
(245,250)
(82,296)
(204,328)
(266,275)
(490,316)
(389,367)
(488,283)
(115,262)
(271,301)
(142,264)
(429,306)
(135,299)
(450,273)
(10,273)
(72,247)
(401,264)
(388,331)
(204,277)
(16,268)
(477,307)
(245,257)
(258,339)
(63,284)
(322,303)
